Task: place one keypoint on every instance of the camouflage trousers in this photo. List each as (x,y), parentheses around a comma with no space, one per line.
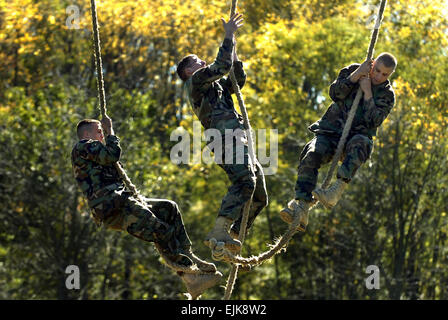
(155,220)
(320,151)
(246,180)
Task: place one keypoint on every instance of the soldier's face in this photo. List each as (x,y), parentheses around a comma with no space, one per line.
(195,65)
(97,132)
(380,73)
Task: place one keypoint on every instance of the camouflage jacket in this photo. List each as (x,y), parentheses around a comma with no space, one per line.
(369,115)
(94,170)
(210,92)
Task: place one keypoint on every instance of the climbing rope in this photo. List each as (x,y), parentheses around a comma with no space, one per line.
(101,91)
(103,110)
(234,271)
(282,242)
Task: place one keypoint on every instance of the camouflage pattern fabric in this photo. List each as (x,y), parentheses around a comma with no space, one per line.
(369,115)
(320,151)
(93,167)
(244,182)
(155,220)
(328,130)
(210,93)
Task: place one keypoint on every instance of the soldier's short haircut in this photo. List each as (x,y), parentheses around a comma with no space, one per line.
(387,59)
(84,125)
(184,63)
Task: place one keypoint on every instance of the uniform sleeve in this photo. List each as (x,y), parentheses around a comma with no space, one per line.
(203,78)
(240,76)
(103,154)
(342,86)
(376,110)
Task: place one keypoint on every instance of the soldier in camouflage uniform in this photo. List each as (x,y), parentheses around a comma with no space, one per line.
(114,206)
(210,96)
(377,102)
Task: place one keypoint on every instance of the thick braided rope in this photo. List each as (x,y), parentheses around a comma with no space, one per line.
(282,242)
(101,91)
(178,267)
(234,271)
(351,115)
(103,110)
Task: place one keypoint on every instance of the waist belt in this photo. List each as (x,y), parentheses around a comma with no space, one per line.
(98,196)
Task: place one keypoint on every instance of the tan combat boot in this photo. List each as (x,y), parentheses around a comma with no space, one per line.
(202,265)
(330,197)
(234,231)
(221,233)
(233,234)
(294,208)
(197,283)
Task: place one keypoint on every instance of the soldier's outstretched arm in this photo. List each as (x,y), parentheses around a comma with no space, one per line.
(223,62)
(240,74)
(343,85)
(103,154)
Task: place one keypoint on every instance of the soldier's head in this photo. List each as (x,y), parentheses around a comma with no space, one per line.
(90,129)
(189,65)
(383,67)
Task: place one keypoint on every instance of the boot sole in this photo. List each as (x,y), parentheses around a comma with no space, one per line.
(195,289)
(286,216)
(233,248)
(204,266)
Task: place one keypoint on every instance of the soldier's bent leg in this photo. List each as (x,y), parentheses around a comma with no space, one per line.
(238,195)
(236,163)
(139,221)
(259,201)
(317,152)
(243,181)
(168,211)
(357,151)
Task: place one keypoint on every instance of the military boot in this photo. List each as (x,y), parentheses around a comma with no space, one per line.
(197,283)
(202,265)
(235,230)
(221,233)
(234,234)
(329,197)
(294,208)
